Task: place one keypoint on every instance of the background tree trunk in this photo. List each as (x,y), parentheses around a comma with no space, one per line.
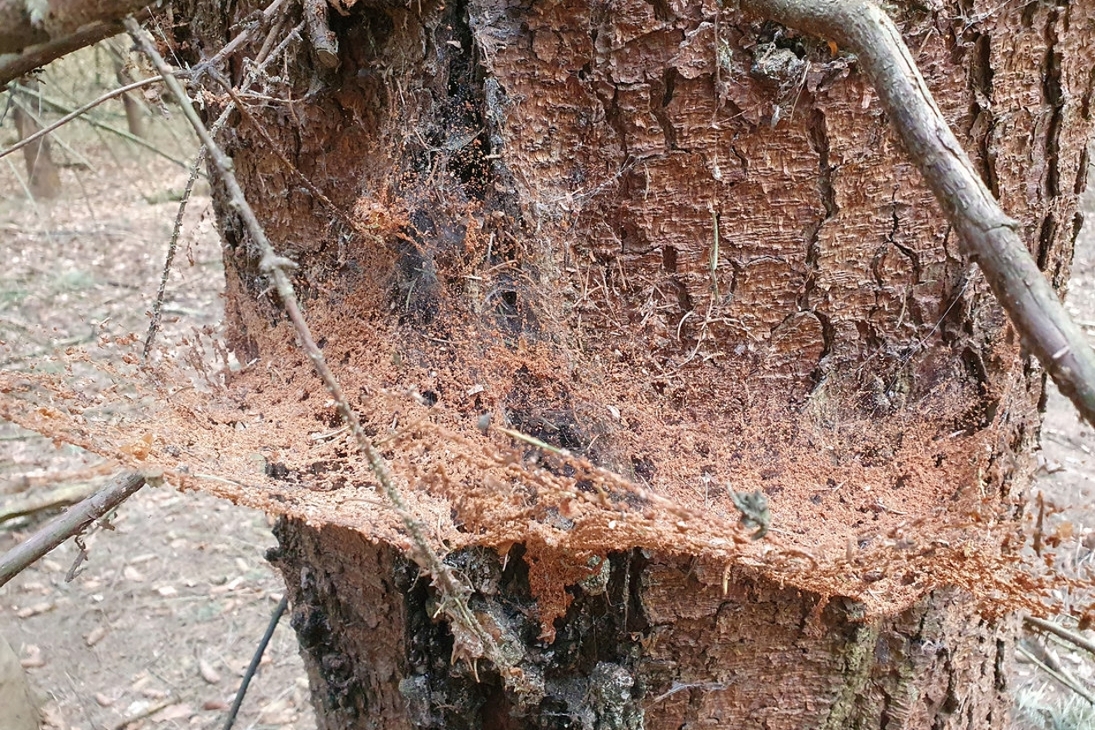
(43,175)
(685,245)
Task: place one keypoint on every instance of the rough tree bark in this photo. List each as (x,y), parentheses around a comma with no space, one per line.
(685,244)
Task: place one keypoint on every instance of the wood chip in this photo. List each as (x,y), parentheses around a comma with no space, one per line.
(95,635)
(140,448)
(103,700)
(32,657)
(177,711)
(278,712)
(209,674)
(214,705)
(133,574)
(167,591)
(229,586)
(37,608)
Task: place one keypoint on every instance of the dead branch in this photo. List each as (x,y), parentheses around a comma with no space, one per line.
(78,112)
(324,41)
(172,244)
(1071,637)
(72,522)
(243,36)
(990,237)
(123,133)
(252,75)
(15,65)
(24,24)
(455,592)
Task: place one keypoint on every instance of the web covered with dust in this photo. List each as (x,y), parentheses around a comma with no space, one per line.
(247,437)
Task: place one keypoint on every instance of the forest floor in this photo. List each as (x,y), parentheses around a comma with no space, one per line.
(159,624)
(162,619)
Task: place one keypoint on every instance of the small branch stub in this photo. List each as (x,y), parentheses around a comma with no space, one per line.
(324,41)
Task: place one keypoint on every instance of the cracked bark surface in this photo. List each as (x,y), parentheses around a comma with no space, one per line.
(988,235)
(544,181)
(631,652)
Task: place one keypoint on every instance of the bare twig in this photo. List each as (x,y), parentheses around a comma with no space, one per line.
(232,46)
(263,63)
(78,112)
(990,237)
(1070,636)
(72,522)
(254,665)
(125,134)
(1065,679)
(455,603)
(157,306)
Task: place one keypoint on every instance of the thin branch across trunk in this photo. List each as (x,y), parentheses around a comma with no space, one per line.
(455,605)
(30,139)
(989,236)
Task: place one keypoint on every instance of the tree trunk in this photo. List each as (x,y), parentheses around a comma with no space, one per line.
(684,245)
(43,175)
(650,644)
(134,108)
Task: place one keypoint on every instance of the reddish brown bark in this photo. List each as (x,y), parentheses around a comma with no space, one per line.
(655,645)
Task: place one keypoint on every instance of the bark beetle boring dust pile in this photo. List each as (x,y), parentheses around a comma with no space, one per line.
(562,280)
(848,517)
